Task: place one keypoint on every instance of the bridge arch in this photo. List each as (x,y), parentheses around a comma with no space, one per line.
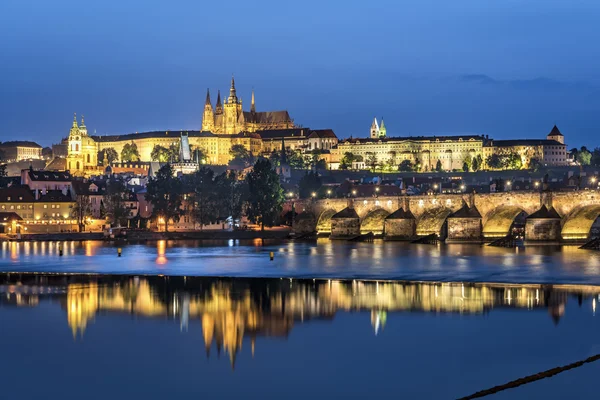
(324,222)
(500,220)
(433,221)
(578,223)
(374,221)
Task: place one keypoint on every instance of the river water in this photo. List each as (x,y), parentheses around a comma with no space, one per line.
(120,337)
(322,259)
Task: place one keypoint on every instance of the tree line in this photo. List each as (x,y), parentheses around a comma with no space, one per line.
(209,198)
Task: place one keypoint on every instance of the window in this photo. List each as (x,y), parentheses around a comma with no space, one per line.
(45,205)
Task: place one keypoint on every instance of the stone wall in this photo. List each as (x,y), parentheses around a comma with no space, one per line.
(344,227)
(542,229)
(464,229)
(400,229)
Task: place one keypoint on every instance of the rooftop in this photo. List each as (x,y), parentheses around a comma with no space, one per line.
(20,143)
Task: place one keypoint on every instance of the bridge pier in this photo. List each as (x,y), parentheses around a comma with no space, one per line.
(305,223)
(345,224)
(543,226)
(465,225)
(400,225)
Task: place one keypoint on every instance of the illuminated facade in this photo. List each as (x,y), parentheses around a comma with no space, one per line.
(229,118)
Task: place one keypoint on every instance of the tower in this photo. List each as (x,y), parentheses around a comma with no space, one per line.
(232,111)
(208,116)
(382,130)
(218,106)
(556,135)
(252,105)
(74,157)
(374,129)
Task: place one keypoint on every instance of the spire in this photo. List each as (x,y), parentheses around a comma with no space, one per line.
(207,102)
(219,106)
(232,95)
(82,122)
(382,130)
(252,105)
(74,120)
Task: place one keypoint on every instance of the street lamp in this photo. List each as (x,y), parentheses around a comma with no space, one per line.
(462,187)
(377,191)
(354,192)
(328,192)
(313,194)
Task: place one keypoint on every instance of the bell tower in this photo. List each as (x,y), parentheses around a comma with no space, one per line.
(208,117)
(232,111)
(74,150)
(374,129)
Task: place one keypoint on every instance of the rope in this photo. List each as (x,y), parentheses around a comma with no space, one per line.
(531,378)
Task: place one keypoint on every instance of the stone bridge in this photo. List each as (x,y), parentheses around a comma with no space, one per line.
(496,214)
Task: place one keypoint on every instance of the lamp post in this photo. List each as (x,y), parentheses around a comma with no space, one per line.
(328,193)
(377,191)
(508,184)
(593,181)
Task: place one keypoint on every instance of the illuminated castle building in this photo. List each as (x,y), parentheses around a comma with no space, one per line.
(229,118)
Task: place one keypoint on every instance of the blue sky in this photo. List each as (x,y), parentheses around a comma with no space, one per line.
(509,68)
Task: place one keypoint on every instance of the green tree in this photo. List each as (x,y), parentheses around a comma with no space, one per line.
(438,166)
(240,154)
(494,162)
(405,166)
(265,197)
(130,153)
(476,163)
(205,197)
(347,160)
(371,161)
(584,157)
(232,194)
(469,161)
(512,161)
(164,192)
(310,183)
(201,155)
(465,167)
(114,201)
(111,154)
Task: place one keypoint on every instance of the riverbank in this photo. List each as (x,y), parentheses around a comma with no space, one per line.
(138,236)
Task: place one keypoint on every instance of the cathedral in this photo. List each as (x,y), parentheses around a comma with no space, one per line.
(229,118)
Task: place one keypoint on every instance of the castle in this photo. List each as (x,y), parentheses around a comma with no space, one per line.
(229,118)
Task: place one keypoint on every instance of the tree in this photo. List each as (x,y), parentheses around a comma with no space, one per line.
(82,210)
(405,166)
(535,164)
(2,155)
(2,170)
(465,167)
(438,166)
(111,154)
(204,197)
(584,157)
(265,197)
(164,192)
(115,208)
(494,162)
(309,184)
(595,160)
(201,155)
(240,154)
(347,160)
(477,163)
(371,161)
(232,194)
(293,157)
(512,161)
(130,153)
(469,161)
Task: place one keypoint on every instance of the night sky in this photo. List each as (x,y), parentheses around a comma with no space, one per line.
(510,69)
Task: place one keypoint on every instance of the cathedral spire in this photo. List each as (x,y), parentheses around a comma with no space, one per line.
(82,122)
(219,106)
(74,120)
(232,95)
(207,102)
(252,106)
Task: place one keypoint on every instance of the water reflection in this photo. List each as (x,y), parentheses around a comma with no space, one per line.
(233,309)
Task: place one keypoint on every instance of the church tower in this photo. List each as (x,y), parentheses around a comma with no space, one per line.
(556,135)
(382,130)
(374,129)
(208,117)
(232,111)
(74,157)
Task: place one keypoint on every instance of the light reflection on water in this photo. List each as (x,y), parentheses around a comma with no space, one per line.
(323,258)
(377,330)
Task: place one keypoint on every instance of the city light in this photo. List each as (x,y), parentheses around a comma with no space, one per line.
(313,194)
